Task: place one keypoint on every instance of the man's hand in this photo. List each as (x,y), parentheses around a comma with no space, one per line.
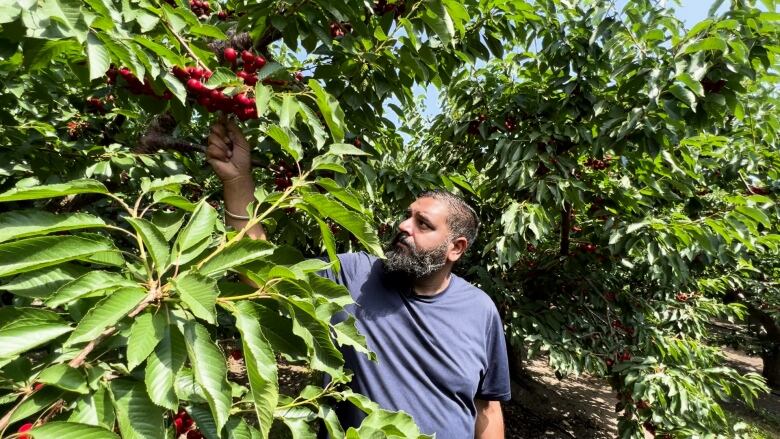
(228,152)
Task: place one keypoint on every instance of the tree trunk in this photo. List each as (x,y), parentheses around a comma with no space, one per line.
(772,367)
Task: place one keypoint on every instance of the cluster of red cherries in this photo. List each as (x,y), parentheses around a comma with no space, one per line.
(474,124)
(133,84)
(598,164)
(627,329)
(382,7)
(589,247)
(282,175)
(185,425)
(200,8)
(215,99)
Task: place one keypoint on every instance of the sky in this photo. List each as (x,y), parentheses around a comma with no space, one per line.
(690,12)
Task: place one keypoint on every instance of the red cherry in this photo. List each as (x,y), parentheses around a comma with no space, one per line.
(231,55)
(236,354)
(251,80)
(222,15)
(194,434)
(259,61)
(194,85)
(197,73)
(299,76)
(247,57)
(180,73)
(24,428)
(250,67)
(241,99)
(125,72)
(38,386)
(178,425)
(242,74)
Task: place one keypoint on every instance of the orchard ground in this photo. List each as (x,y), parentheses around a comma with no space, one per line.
(577,407)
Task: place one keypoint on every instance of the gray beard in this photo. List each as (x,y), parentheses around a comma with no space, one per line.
(412,262)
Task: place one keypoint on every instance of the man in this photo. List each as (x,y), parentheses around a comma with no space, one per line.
(438,339)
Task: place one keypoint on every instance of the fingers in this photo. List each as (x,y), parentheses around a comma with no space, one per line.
(236,135)
(217,148)
(220,130)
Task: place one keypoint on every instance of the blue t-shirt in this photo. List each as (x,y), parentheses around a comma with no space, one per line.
(435,354)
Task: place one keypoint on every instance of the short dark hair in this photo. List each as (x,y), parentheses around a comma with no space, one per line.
(462,219)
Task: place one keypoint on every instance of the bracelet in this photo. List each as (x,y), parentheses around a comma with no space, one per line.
(234,216)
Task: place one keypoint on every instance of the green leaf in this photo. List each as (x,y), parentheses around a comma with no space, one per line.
(40,400)
(308,326)
(27,334)
(94,409)
(39,284)
(286,139)
(436,16)
(207,30)
(200,226)
(691,83)
(327,162)
(106,313)
(341,149)
(709,43)
(260,364)
(10,316)
(300,421)
(84,186)
(755,214)
(347,335)
(269,70)
(278,330)
(146,332)
(99,58)
(199,293)
(33,253)
(210,370)
(172,183)
(187,388)
(163,365)
(288,111)
(331,111)
(91,284)
(684,95)
(70,430)
(64,377)
(23,223)
(350,220)
(240,253)
(171,199)
(138,417)
(168,223)
(154,241)
(343,194)
(263,96)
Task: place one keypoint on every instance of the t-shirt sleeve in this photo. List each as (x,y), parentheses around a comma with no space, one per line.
(494,384)
(349,267)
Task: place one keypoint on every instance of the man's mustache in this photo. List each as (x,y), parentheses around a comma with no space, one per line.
(403,238)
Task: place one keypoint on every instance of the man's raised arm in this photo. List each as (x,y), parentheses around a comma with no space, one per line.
(228,153)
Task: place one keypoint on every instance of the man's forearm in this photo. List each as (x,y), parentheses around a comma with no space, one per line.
(490,420)
(239,192)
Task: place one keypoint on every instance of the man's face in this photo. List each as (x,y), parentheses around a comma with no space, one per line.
(423,243)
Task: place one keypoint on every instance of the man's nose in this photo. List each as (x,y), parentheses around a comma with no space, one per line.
(406,226)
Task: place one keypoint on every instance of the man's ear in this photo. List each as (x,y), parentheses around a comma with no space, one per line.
(459,246)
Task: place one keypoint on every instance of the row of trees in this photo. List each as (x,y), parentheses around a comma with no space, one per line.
(625,169)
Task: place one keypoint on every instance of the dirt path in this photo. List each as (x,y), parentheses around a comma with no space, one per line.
(583,407)
(575,407)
